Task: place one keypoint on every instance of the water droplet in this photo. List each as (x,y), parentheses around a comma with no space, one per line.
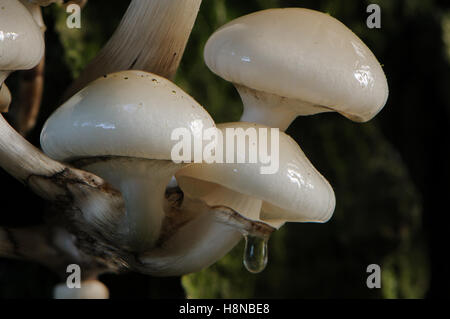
(255,254)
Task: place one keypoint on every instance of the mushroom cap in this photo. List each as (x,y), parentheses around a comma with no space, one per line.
(128,113)
(90,289)
(300,54)
(21,40)
(296,192)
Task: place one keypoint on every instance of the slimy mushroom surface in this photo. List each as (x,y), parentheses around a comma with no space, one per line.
(296,192)
(119,127)
(21,40)
(294,61)
(21,44)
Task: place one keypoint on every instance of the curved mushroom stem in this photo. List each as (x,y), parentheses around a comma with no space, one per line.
(89,289)
(201,241)
(21,159)
(31,83)
(196,245)
(5,98)
(143,184)
(25,112)
(273,110)
(5,94)
(151,37)
(3,76)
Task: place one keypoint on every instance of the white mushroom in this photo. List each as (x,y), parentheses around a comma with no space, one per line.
(90,289)
(290,62)
(21,40)
(120,128)
(296,192)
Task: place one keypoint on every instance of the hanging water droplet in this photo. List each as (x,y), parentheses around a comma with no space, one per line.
(255,254)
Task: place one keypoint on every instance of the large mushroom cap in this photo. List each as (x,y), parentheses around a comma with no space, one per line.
(129,113)
(297,192)
(120,127)
(300,54)
(21,40)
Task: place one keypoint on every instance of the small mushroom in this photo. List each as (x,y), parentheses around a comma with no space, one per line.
(119,128)
(290,62)
(21,40)
(90,289)
(296,192)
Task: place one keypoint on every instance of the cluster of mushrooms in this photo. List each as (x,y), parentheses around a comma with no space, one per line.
(118,201)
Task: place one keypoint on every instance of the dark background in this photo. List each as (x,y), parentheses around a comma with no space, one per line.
(390,175)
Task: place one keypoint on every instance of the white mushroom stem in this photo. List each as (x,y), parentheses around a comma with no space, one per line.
(29,100)
(151,37)
(195,246)
(3,76)
(273,110)
(21,159)
(5,98)
(201,241)
(89,289)
(28,103)
(143,184)
(5,94)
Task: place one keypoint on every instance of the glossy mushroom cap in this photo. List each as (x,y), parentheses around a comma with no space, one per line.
(302,56)
(21,40)
(120,128)
(297,192)
(128,113)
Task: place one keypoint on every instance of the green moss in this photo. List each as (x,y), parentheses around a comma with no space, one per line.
(98,21)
